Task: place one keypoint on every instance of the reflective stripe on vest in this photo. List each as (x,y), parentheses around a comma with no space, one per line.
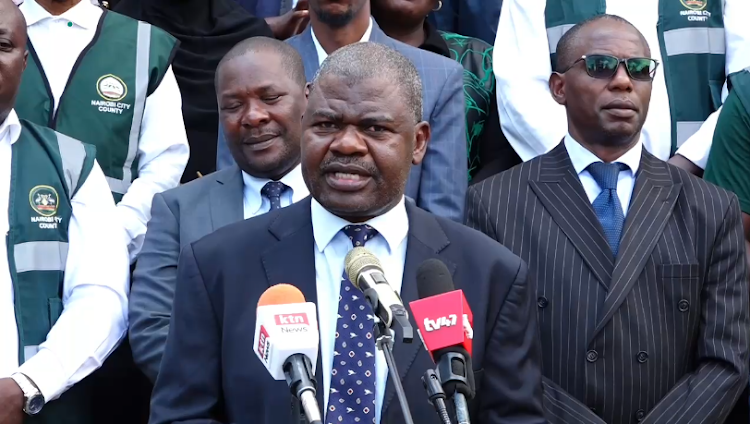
(695,41)
(143,50)
(72,154)
(40,256)
(554,35)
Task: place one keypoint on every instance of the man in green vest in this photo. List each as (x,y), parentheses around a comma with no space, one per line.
(63,267)
(696,42)
(106,79)
(729,161)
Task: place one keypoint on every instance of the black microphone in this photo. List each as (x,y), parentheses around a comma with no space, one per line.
(453,362)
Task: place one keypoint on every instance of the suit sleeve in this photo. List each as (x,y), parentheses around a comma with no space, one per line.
(153,288)
(445,174)
(476,214)
(188,389)
(512,382)
(708,394)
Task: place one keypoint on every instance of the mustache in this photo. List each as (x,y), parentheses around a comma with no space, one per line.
(350,160)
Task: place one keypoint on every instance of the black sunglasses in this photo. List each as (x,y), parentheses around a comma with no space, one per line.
(604,66)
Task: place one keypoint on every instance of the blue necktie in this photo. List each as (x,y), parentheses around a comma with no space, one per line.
(607,205)
(352,397)
(272,191)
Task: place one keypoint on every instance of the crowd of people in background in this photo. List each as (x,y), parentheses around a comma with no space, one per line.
(606,144)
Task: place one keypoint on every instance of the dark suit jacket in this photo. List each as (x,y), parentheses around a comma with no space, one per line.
(660,334)
(179,216)
(209,373)
(439,183)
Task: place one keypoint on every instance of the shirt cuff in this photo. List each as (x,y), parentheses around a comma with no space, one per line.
(45,370)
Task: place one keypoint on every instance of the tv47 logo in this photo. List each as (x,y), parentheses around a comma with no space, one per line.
(437,324)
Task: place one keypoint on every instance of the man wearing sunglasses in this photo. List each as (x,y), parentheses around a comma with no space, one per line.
(640,267)
(697,43)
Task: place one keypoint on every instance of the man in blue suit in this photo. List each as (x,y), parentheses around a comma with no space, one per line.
(264,140)
(439,183)
(362,132)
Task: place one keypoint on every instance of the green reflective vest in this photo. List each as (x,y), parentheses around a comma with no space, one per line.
(692,44)
(105,97)
(47,168)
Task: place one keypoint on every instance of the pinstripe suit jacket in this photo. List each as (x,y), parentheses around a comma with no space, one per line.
(439,183)
(659,335)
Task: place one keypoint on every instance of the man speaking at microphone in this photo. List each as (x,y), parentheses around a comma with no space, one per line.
(362,131)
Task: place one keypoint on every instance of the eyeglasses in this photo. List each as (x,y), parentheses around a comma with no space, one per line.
(603,66)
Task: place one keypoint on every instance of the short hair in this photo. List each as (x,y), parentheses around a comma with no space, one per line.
(290,58)
(569,41)
(361,61)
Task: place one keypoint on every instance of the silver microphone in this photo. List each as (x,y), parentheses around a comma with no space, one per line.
(366,273)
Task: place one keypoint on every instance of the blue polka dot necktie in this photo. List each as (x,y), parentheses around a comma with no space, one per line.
(272,191)
(607,205)
(352,397)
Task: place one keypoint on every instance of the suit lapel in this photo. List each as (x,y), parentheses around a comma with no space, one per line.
(563,196)
(306,48)
(654,198)
(425,241)
(226,198)
(295,247)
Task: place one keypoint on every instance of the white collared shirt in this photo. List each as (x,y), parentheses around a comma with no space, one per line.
(255,204)
(163,149)
(534,123)
(331,247)
(322,55)
(582,158)
(95,286)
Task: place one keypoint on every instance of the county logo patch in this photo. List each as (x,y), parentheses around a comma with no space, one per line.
(43,200)
(694,4)
(111,88)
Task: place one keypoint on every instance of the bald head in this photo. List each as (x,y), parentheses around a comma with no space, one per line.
(361,61)
(569,46)
(290,58)
(12,55)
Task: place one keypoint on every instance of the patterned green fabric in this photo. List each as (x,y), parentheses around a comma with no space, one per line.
(479,88)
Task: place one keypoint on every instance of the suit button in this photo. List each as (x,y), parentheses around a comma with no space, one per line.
(683,305)
(642,357)
(639,415)
(542,302)
(592,356)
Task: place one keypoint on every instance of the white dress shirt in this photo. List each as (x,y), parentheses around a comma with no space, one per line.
(255,204)
(322,55)
(95,286)
(534,123)
(582,158)
(331,247)
(163,149)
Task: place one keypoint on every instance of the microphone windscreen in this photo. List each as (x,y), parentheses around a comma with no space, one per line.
(433,278)
(281,294)
(358,259)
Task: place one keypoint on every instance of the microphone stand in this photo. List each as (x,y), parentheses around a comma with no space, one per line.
(384,342)
(436,395)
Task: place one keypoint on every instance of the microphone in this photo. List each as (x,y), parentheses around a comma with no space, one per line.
(366,273)
(444,322)
(286,341)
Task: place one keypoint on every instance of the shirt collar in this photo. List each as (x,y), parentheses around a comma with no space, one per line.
(84,14)
(392,225)
(581,157)
(11,126)
(322,55)
(293,179)
(434,42)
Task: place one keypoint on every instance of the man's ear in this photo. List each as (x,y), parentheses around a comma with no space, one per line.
(422,133)
(308,88)
(557,88)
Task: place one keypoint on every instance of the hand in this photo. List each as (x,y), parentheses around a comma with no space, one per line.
(684,163)
(290,23)
(11,402)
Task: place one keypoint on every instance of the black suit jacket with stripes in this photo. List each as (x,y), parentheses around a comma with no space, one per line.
(659,335)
